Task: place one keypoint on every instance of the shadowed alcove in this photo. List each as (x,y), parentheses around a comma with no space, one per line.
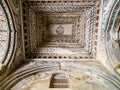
(59,80)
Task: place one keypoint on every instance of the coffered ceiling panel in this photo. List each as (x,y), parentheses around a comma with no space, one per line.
(60,29)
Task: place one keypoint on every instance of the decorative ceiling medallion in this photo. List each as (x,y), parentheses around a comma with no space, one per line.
(60,30)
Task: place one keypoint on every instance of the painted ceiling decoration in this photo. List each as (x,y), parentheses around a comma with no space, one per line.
(7,35)
(51,27)
(65,44)
(4,33)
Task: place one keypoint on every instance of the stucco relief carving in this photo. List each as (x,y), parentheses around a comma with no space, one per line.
(115,33)
(60,30)
(47,24)
(15,7)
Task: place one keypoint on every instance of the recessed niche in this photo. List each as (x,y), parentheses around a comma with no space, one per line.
(59,80)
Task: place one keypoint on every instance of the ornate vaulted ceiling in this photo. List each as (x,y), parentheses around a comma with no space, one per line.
(79,37)
(60,29)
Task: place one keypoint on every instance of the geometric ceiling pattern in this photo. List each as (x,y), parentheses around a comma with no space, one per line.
(60,29)
(3,34)
(7,34)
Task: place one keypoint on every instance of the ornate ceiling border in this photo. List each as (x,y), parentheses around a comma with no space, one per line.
(90,4)
(7,59)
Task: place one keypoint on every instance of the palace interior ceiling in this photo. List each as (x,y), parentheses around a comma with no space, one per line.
(60,29)
(50,44)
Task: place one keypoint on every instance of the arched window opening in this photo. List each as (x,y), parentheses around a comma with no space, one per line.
(59,80)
